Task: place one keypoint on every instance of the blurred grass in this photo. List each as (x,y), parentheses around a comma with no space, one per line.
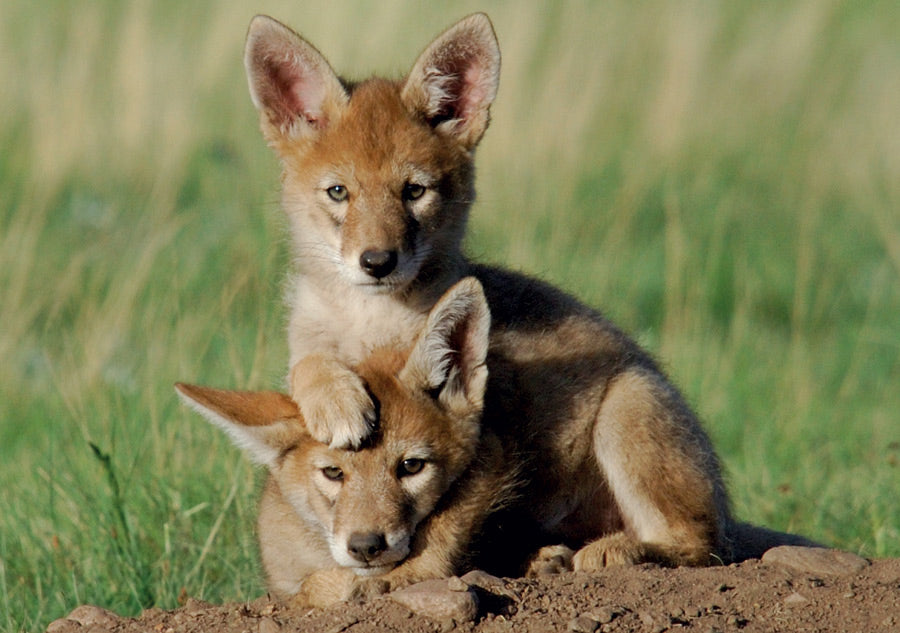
(723,179)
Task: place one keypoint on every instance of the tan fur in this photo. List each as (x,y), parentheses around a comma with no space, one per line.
(377,526)
(630,462)
(483,490)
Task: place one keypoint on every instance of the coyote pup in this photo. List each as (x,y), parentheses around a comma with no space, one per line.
(337,524)
(378,178)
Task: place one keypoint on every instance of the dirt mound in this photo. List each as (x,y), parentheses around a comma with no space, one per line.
(777,595)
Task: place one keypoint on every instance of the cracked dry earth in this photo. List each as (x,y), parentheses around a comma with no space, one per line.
(790,589)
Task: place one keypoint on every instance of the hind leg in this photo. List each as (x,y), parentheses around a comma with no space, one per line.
(662,473)
(616,549)
(551,559)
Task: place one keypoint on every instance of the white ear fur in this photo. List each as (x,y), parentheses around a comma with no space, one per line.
(248,418)
(291,83)
(454,81)
(451,351)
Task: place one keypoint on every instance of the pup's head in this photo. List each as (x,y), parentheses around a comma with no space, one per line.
(367,503)
(378,175)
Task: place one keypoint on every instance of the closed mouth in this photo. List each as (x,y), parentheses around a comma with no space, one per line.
(373,570)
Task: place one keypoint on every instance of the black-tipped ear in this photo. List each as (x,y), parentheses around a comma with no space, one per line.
(454,81)
(291,83)
(449,356)
(262,423)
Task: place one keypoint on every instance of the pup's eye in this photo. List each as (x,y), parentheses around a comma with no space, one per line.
(410,466)
(412,191)
(333,473)
(338,193)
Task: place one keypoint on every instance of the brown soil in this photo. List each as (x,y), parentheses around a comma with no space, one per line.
(750,596)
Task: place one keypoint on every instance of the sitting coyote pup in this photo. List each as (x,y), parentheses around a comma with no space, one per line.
(378,178)
(339,524)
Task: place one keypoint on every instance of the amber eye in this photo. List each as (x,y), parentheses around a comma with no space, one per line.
(410,466)
(333,473)
(338,193)
(412,191)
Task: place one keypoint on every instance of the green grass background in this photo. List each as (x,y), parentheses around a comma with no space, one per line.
(721,178)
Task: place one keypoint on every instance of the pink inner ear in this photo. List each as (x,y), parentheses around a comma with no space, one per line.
(296,93)
(473,91)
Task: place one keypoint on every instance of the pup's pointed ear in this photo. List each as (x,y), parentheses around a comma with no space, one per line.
(448,359)
(454,81)
(291,83)
(262,423)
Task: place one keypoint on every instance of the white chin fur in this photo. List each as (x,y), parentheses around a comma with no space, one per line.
(372,571)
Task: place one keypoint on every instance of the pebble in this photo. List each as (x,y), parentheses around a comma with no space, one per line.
(87,615)
(84,617)
(343,625)
(268,625)
(815,560)
(434,599)
(455,583)
(693,612)
(605,615)
(63,625)
(482,579)
(583,624)
(491,584)
(795,600)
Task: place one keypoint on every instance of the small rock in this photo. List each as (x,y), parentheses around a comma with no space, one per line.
(63,625)
(151,614)
(490,584)
(447,625)
(605,615)
(645,618)
(795,600)
(88,615)
(268,625)
(455,583)
(583,624)
(815,560)
(435,600)
(482,579)
(344,624)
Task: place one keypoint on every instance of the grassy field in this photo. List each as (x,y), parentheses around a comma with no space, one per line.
(723,179)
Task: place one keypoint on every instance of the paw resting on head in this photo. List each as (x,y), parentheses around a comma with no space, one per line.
(334,402)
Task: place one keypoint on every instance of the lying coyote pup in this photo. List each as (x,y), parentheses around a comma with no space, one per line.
(336,524)
(378,178)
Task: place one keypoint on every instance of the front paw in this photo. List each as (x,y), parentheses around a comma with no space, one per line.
(334,402)
(325,587)
(367,588)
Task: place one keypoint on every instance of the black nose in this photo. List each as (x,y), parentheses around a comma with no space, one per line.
(365,547)
(378,263)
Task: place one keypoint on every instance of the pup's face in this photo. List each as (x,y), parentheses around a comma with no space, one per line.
(377,176)
(369,502)
(377,195)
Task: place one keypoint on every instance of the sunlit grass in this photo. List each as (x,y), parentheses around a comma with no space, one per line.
(721,179)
